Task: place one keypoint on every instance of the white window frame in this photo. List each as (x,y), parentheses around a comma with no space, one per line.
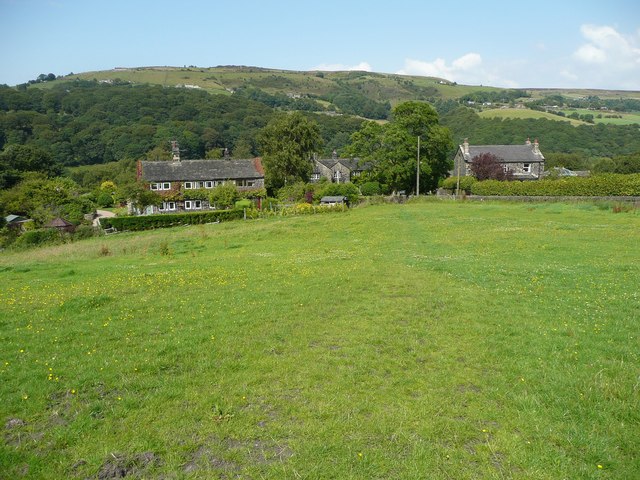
(154,186)
(188,185)
(208,184)
(527,167)
(167,206)
(165,186)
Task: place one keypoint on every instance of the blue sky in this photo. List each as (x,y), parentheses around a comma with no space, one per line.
(561,43)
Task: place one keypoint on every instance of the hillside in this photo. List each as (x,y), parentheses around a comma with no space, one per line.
(128,114)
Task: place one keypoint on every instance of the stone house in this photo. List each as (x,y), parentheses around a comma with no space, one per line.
(174,179)
(338,170)
(525,161)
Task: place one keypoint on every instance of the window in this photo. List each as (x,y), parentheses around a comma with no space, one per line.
(208,184)
(315,177)
(526,168)
(244,183)
(165,186)
(154,186)
(188,185)
(193,204)
(167,206)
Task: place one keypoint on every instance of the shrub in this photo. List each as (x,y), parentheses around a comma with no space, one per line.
(224,196)
(348,190)
(597,186)
(34,238)
(370,188)
(104,200)
(84,231)
(242,204)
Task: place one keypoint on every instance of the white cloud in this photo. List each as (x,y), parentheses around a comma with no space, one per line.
(440,68)
(608,59)
(590,54)
(468,69)
(335,67)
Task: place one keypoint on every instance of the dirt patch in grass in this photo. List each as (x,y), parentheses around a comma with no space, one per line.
(215,455)
(17,433)
(120,465)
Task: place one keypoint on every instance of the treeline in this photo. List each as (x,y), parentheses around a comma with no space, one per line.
(494,96)
(87,123)
(600,140)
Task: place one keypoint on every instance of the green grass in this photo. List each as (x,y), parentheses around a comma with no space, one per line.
(628,118)
(526,113)
(430,340)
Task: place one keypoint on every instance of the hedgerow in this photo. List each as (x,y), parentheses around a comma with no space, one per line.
(595,186)
(451,183)
(147,222)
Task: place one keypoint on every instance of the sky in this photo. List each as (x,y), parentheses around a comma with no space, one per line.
(542,44)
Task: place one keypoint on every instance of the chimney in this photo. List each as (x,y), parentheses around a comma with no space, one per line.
(465,147)
(536,147)
(334,155)
(175,151)
(528,142)
(226,153)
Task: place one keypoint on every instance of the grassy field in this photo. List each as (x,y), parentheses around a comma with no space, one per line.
(432,340)
(526,113)
(628,118)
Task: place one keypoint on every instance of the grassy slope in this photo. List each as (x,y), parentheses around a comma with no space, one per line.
(435,340)
(378,86)
(525,113)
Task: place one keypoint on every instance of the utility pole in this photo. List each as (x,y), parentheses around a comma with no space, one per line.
(418,171)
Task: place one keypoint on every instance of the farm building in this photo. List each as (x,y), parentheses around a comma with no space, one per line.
(338,170)
(169,178)
(525,161)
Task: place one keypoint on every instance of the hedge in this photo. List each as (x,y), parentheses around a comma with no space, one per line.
(595,186)
(147,222)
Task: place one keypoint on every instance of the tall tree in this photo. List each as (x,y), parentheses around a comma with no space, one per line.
(288,142)
(393,148)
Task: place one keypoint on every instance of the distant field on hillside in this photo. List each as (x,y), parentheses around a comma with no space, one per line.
(435,339)
(525,113)
(627,118)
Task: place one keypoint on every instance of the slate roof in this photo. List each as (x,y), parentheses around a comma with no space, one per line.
(506,153)
(351,163)
(201,170)
(14,219)
(59,222)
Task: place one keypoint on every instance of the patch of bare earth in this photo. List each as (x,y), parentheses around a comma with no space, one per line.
(120,465)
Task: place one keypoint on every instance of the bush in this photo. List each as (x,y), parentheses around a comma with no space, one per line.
(348,190)
(370,188)
(84,231)
(242,204)
(104,200)
(224,196)
(34,238)
(596,186)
